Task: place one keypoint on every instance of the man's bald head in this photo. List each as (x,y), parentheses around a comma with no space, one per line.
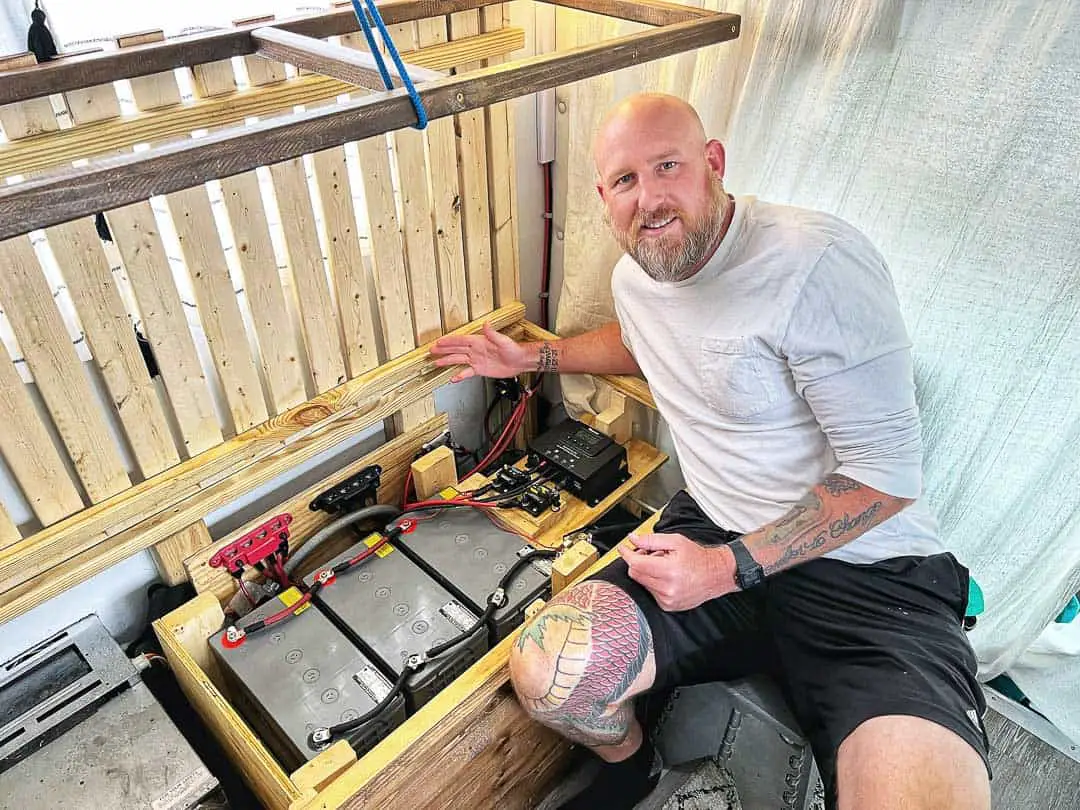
(645,114)
(662,184)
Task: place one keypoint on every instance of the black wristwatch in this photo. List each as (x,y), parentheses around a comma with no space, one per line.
(747,571)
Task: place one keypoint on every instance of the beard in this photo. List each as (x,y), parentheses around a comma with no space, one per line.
(671,258)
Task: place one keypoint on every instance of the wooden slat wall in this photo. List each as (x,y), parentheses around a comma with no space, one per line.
(423,240)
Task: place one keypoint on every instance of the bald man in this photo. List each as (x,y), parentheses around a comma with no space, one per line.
(773,343)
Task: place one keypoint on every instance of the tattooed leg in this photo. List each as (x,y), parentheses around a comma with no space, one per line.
(578,663)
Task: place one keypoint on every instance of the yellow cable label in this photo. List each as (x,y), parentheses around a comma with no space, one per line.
(373,539)
(290,597)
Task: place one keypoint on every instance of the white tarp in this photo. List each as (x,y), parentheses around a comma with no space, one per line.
(949,133)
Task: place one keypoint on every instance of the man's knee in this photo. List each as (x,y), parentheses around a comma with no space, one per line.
(589,648)
(897,761)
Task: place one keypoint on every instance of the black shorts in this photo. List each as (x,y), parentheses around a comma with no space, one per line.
(845,642)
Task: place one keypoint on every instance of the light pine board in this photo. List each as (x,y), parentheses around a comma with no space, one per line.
(29,451)
(111,336)
(348,268)
(501,183)
(46,345)
(278,351)
(475,201)
(165,325)
(9,532)
(446,199)
(219,310)
(320,323)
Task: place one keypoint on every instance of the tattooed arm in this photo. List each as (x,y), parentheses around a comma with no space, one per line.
(680,574)
(831,515)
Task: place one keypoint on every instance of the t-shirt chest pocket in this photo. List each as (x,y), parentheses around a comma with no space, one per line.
(737,380)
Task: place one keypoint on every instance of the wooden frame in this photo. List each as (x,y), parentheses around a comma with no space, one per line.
(78,192)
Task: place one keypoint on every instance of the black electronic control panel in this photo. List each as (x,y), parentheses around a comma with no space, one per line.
(588,463)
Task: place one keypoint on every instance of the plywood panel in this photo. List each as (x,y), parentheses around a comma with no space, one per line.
(135,232)
(29,452)
(317,314)
(348,269)
(111,336)
(446,199)
(218,307)
(473,167)
(265,294)
(27,300)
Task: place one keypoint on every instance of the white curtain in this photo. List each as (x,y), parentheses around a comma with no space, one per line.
(949,133)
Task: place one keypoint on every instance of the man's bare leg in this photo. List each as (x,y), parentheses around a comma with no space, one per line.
(576,667)
(893,762)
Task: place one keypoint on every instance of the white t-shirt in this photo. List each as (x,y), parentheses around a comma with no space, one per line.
(782,360)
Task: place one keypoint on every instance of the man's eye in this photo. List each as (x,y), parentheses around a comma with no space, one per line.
(622,181)
(668,165)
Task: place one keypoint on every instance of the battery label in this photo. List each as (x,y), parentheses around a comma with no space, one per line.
(373,539)
(372,682)
(457,615)
(291,597)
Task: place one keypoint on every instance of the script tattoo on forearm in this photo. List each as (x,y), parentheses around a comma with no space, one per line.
(599,640)
(827,517)
(549,358)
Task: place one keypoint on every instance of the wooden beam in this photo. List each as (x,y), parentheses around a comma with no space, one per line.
(650,12)
(634,387)
(170,553)
(345,64)
(104,137)
(49,562)
(120,180)
(142,60)
(434,472)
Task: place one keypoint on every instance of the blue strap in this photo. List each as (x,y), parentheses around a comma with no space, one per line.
(369,35)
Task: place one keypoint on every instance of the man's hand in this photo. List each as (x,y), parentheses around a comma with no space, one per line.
(679,573)
(490,354)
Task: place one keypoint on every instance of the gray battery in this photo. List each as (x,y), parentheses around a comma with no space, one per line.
(302,674)
(469,554)
(394,610)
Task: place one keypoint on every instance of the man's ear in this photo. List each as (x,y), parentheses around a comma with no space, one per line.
(600,190)
(716,157)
